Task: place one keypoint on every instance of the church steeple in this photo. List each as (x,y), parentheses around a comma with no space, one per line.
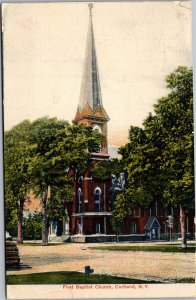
(90,89)
(90,109)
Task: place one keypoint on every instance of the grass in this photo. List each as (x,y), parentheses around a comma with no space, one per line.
(186,280)
(39,244)
(157,248)
(80,278)
(71,278)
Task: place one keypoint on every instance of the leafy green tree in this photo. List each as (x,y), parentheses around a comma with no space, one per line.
(59,147)
(106,168)
(32,229)
(18,154)
(175,113)
(159,156)
(142,170)
(38,156)
(46,174)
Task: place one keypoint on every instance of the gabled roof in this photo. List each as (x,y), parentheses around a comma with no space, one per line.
(87,110)
(100,112)
(152,223)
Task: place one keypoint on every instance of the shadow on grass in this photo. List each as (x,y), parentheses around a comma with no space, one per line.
(18,267)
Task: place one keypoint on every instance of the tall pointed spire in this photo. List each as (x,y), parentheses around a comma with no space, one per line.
(90,109)
(90,89)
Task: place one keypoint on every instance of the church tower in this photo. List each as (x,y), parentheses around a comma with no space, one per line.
(90,109)
(91,208)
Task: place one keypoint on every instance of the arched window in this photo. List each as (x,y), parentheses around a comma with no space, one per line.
(79,200)
(96,127)
(97,194)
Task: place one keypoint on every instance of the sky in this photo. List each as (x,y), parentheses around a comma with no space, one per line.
(138,44)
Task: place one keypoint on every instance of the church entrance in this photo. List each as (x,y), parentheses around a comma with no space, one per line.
(154,234)
(98,228)
(79,228)
(152,229)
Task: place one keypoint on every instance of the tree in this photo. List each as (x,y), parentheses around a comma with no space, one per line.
(46,173)
(38,156)
(59,147)
(106,168)
(159,156)
(32,227)
(142,169)
(175,113)
(18,153)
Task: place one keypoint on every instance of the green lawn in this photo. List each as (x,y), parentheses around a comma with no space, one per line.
(71,278)
(80,278)
(39,244)
(159,248)
(186,280)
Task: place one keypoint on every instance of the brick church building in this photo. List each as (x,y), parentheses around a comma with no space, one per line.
(90,212)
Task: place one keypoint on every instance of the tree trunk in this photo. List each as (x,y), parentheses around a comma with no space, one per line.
(183,226)
(20,222)
(44,220)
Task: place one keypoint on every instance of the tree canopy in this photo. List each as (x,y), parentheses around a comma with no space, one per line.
(159,156)
(18,152)
(38,155)
(106,168)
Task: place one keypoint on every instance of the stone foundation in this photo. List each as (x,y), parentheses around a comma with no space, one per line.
(106,238)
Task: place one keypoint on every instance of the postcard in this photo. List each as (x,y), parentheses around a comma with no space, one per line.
(98,149)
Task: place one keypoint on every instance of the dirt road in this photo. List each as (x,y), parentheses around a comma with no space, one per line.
(74,257)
